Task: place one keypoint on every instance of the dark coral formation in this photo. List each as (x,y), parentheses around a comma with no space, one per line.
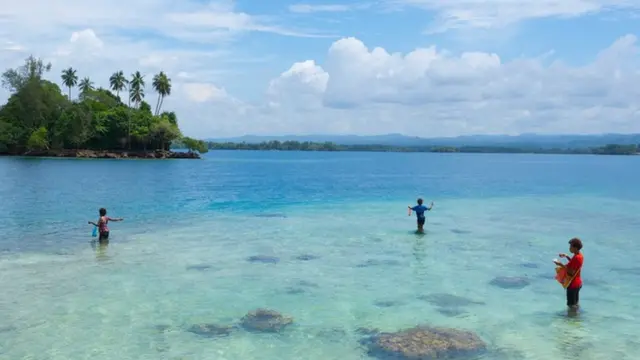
(510,282)
(426,343)
(375,262)
(300,287)
(211,330)
(295,291)
(530,265)
(448,304)
(307,257)
(199,267)
(335,335)
(449,300)
(366,331)
(265,259)
(460,231)
(451,311)
(264,320)
(387,303)
(309,284)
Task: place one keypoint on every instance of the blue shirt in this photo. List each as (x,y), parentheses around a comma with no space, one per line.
(420,209)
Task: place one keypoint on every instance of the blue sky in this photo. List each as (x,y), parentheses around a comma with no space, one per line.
(441,68)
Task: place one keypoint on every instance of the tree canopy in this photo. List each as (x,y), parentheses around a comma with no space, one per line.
(38,116)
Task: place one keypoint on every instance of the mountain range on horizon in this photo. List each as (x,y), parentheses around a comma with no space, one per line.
(565,141)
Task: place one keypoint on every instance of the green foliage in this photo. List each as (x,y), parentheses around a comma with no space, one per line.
(136,88)
(38,139)
(329,146)
(194,145)
(163,131)
(37,116)
(614,149)
(118,82)
(162,85)
(8,135)
(86,87)
(69,79)
(32,70)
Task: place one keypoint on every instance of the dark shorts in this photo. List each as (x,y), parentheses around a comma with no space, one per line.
(421,220)
(104,236)
(573,296)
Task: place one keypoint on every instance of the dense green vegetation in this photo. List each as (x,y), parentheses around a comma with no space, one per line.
(38,116)
(329,146)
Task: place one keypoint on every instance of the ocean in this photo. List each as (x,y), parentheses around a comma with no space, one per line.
(323,238)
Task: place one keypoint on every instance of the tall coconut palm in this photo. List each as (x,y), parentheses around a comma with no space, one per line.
(69,79)
(118,82)
(136,88)
(136,95)
(162,85)
(85,86)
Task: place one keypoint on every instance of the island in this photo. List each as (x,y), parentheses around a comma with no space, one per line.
(275,145)
(39,119)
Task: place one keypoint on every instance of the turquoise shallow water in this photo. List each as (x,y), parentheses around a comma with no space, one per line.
(180,257)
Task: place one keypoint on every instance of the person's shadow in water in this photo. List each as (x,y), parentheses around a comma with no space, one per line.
(570,335)
(100,247)
(419,252)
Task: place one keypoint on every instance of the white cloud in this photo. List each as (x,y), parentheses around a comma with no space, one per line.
(302,86)
(81,42)
(431,92)
(203,92)
(191,20)
(500,13)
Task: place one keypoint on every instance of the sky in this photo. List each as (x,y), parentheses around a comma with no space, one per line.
(425,68)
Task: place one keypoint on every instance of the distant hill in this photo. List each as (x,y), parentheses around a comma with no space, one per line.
(522,141)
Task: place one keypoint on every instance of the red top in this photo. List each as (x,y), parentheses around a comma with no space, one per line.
(576,264)
(102,224)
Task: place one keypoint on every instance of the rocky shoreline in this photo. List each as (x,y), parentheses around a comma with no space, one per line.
(109,154)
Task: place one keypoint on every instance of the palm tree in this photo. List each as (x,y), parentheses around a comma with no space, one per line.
(162,85)
(69,79)
(136,88)
(85,87)
(118,82)
(136,94)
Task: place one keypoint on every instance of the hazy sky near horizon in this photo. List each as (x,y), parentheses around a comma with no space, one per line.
(416,67)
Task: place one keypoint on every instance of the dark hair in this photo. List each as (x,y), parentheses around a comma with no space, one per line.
(419,201)
(103,211)
(576,243)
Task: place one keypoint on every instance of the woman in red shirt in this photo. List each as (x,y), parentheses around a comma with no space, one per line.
(573,267)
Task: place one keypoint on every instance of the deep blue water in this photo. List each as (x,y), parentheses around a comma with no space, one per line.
(495,215)
(50,197)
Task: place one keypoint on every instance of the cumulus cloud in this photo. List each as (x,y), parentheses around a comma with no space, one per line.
(302,86)
(433,92)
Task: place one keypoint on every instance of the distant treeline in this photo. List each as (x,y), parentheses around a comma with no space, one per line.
(612,149)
